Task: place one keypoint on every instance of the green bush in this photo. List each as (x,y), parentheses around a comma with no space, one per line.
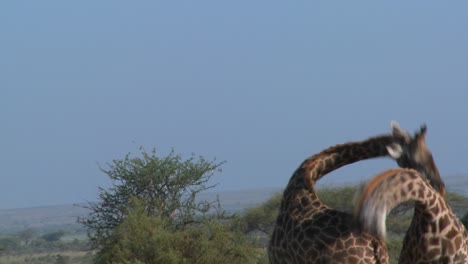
(339,198)
(394,248)
(261,218)
(9,244)
(153,240)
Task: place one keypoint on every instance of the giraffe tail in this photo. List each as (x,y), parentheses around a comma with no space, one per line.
(383,193)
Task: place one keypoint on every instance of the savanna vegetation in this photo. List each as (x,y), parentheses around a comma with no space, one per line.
(31,246)
(152,214)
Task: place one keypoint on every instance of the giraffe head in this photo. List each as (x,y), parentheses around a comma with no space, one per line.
(412,152)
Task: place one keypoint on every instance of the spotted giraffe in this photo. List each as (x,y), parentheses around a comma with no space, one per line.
(435,235)
(308,231)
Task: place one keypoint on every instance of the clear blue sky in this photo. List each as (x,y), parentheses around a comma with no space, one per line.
(260,84)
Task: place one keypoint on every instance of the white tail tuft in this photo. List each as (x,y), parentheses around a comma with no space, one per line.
(373,215)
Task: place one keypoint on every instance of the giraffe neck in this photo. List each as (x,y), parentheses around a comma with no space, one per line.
(300,193)
(316,166)
(436,224)
(393,187)
(426,213)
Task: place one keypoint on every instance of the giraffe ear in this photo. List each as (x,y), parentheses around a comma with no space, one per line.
(395,150)
(397,131)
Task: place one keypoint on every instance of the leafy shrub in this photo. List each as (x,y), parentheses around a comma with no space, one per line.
(153,240)
(9,243)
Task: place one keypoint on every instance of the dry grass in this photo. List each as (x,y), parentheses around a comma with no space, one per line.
(71,257)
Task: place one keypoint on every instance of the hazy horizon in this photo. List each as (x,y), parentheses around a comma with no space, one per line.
(256,195)
(261,85)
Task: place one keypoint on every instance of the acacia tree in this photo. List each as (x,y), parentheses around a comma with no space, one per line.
(167,187)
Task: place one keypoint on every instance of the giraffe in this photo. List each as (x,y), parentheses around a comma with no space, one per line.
(308,231)
(435,235)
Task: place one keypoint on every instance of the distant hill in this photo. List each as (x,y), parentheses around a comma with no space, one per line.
(457,183)
(41,218)
(49,218)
